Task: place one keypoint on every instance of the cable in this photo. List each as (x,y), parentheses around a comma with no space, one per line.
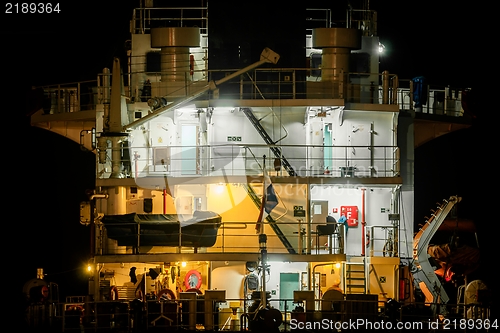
(64,272)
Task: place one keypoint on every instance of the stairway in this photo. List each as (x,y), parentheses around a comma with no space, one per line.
(276,151)
(354,277)
(272,223)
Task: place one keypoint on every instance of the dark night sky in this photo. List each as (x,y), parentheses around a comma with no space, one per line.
(436,39)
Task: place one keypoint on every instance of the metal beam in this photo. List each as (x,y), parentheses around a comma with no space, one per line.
(174,257)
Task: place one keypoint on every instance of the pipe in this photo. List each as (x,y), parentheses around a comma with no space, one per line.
(136,164)
(385,87)
(92,218)
(314,275)
(116,156)
(115,101)
(363,222)
(98,196)
(102,147)
(106,84)
(395,87)
(395,199)
(130,92)
(395,196)
(165,201)
(308,221)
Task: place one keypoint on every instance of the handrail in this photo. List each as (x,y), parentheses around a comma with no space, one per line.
(383,244)
(290,83)
(142,18)
(381,162)
(239,237)
(271,111)
(130,315)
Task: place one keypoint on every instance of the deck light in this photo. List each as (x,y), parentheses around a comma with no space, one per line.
(381,48)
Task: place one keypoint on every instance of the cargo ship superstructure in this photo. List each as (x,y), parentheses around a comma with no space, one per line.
(217,188)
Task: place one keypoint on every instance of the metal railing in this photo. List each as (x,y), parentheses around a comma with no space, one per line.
(147,17)
(229,237)
(350,311)
(445,101)
(235,237)
(241,160)
(383,240)
(276,83)
(70,97)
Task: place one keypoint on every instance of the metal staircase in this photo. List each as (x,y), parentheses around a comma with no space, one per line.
(276,151)
(258,202)
(354,277)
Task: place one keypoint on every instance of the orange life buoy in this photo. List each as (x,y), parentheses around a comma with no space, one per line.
(74,307)
(192,279)
(45,291)
(166,295)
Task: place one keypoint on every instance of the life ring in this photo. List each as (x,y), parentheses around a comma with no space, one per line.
(45,292)
(166,295)
(194,290)
(113,294)
(74,307)
(192,279)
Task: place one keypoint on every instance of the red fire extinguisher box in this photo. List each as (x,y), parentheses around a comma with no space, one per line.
(351,214)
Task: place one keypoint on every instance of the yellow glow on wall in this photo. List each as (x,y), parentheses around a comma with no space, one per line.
(218,189)
(225,197)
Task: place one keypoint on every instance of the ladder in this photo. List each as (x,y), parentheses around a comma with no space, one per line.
(258,202)
(276,151)
(355,277)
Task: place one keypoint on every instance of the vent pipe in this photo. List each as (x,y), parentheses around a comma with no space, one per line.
(174,43)
(336,45)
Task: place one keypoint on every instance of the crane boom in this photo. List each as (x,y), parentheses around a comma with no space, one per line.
(267,56)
